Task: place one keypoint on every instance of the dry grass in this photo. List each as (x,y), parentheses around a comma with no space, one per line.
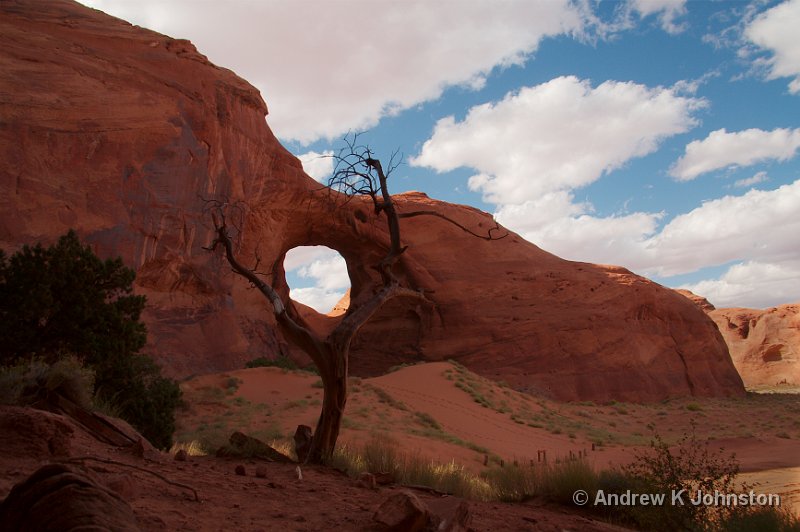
(192,448)
(381,454)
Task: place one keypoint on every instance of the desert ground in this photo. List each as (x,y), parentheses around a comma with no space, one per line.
(449,414)
(439,411)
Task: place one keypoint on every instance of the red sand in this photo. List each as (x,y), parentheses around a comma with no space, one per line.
(773,462)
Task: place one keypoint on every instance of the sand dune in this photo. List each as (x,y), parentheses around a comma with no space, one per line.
(407,404)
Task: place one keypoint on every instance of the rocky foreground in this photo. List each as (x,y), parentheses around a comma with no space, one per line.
(138,488)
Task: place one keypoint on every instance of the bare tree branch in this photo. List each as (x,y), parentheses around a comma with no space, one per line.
(357,172)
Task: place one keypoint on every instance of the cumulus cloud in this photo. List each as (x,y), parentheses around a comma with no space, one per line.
(668,12)
(326,272)
(756,231)
(752,284)
(318,165)
(775,31)
(350,64)
(559,135)
(534,148)
(572,232)
(721,149)
(760,225)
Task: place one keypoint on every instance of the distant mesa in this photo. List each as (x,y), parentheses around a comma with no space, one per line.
(125,141)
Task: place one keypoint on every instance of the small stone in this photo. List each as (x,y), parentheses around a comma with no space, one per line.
(403,512)
(367,480)
(181,455)
(240,470)
(261,471)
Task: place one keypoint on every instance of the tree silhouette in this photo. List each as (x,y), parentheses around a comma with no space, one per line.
(356,172)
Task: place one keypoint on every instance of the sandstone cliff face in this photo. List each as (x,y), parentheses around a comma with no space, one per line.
(764,344)
(122,133)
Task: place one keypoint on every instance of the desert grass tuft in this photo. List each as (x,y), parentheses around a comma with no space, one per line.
(192,448)
(381,454)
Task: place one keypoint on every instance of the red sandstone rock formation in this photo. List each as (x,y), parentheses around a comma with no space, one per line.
(700,301)
(121,133)
(764,344)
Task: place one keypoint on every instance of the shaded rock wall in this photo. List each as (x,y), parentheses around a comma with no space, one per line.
(123,133)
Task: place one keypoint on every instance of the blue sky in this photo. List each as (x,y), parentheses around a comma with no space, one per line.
(661,135)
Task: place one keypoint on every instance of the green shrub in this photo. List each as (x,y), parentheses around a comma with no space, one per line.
(32,382)
(149,403)
(63,299)
(282,362)
(689,465)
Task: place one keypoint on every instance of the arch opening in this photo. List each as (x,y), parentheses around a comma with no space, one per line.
(317,277)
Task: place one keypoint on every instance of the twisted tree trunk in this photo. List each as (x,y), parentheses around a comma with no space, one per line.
(330,354)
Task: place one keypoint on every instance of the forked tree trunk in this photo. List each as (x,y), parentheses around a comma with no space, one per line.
(331,354)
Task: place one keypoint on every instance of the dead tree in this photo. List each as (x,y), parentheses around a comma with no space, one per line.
(357,172)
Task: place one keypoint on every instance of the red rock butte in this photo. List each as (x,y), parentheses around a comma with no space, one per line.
(124,134)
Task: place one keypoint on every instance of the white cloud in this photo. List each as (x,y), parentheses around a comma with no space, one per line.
(320,300)
(776,31)
(757,231)
(329,273)
(759,177)
(318,165)
(326,68)
(752,284)
(668,11)
(559,135)
(760,225)
(326,272)
(721,149)
(298,257)
(571,232)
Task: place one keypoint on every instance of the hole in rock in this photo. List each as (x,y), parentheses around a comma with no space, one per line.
(317,277)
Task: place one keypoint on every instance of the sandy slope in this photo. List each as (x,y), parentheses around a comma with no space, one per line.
(761,429)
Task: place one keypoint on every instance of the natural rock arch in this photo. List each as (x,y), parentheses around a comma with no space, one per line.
(329,348)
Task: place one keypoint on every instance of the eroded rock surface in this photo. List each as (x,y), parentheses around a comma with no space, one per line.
(764,344)
(63,497)
(124,134)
